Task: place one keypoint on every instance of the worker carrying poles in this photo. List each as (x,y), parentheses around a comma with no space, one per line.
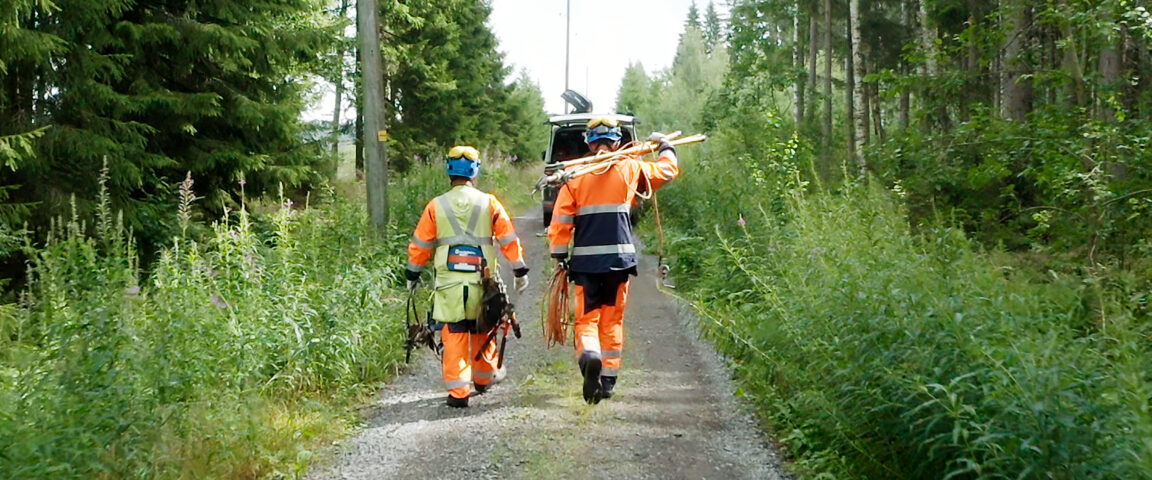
(591,237)
(458,232)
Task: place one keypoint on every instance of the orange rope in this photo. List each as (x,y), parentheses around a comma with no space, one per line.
(556,309)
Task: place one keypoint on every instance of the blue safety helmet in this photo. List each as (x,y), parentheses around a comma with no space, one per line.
(463,161)
(602,129)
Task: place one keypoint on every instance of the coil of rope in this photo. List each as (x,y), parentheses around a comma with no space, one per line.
(556,311)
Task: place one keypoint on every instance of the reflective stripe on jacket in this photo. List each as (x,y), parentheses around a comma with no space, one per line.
(592,211)
(462,216)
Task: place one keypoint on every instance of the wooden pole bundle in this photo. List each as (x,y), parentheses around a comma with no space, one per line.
(561,172)
(632,149)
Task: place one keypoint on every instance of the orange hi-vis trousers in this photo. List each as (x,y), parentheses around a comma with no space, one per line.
(601,329)
(459,364)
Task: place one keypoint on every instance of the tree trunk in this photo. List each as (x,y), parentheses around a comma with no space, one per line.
(1077,90)
(905,94)
(849,90)
(849,104)
(339,87)
(813,47)
(336,116)
(865,107)
(971,65)
(359,127)
(931,104)
(1053,54)
(798,65)
(860,110)
(827,73)
(1109,74)
(1132,63)
(359,122)
(1017,87)
(927,42)
(877,112)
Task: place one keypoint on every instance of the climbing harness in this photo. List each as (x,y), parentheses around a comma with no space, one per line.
(497,315)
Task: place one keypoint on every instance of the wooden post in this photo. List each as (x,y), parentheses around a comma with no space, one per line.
(375,161)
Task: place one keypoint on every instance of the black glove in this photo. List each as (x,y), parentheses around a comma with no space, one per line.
(520,272)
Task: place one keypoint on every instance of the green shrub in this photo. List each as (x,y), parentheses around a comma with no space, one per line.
(238,351)
(1058,183)
(877,352)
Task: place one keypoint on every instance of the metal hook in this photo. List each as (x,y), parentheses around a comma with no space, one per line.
(662,273)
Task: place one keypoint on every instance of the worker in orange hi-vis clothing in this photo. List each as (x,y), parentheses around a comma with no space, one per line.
(592,214)
(458,232)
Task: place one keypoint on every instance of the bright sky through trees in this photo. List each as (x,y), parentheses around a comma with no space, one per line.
(606,35)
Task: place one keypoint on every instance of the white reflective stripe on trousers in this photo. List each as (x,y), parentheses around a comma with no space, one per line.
(457,384)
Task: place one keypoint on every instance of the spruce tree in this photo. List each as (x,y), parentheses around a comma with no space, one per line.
(693,20)
(161,89)
(526,121)
(449,85)
(713,28)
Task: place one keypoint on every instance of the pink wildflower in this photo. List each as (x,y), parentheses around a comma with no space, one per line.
(217,301)
(741,221)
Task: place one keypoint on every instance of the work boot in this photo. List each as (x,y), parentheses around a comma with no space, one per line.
(607,385)
(590,365)
(498,376)
(457,402)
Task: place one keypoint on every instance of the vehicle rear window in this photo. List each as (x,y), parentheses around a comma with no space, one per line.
(569,143)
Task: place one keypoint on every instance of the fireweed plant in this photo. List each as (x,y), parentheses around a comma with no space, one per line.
(873,350)
(243,349)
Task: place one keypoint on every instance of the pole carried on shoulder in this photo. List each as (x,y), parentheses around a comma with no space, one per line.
(557,174)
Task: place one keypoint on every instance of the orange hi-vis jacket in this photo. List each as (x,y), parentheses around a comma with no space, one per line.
(597,206)
(464,216)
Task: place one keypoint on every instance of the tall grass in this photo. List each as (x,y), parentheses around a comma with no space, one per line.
(239,352)
(878,352)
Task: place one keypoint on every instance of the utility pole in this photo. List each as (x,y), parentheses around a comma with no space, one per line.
(375,160)
(567,46)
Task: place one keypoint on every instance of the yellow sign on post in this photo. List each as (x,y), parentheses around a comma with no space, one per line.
(382,135)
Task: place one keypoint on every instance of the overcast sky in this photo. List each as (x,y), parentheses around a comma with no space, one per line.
(606,36)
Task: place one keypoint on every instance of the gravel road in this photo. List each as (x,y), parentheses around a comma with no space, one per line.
(673,415)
